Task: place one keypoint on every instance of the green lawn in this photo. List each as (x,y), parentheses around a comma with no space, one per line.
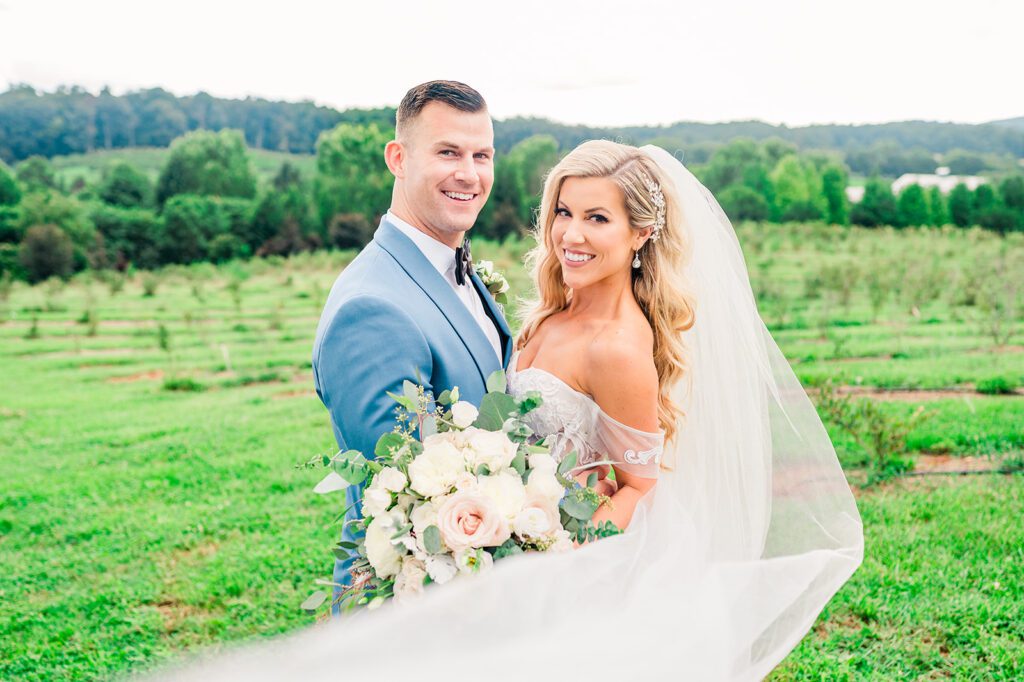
(137,522)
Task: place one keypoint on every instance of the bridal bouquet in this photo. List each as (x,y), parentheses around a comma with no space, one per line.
(452,489)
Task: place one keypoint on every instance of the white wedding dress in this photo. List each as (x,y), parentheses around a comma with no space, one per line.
(723,568)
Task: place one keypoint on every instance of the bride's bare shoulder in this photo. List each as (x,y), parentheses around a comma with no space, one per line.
(620,373)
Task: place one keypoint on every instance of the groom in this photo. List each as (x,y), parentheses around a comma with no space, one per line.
(410,307)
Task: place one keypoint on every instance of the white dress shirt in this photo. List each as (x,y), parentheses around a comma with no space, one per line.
(442,257)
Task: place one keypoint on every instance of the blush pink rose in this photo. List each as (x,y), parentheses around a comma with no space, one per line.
(468,519)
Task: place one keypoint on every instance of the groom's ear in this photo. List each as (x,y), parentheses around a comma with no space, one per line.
(394,157)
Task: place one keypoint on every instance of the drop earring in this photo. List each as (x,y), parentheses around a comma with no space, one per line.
(636,260)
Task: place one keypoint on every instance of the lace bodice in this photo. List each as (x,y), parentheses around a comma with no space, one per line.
(571,420)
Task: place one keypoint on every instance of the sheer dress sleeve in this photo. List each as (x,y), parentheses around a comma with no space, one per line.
(636,452)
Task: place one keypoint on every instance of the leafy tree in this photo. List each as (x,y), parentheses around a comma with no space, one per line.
(833,188)
(130,235)
(937,213)
(961,205)
(46,252)
(287,176)
(742,203)
(877,207)
(125,186)
(1011,190)
(798,189)
(962,162)
(11,227)
(191,222)
(36,174)
(912,207)
(351,174)
(68,213)
(276,211)
(9,192)
(349,231)
(205,163)
(728,164)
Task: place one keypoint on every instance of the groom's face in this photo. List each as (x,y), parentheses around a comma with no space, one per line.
(444,170)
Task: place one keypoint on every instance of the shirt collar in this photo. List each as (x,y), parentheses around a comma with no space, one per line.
(441,256)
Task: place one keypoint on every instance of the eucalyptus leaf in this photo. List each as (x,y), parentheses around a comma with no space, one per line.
(568,463)
(519,462)
(496,382)
(314,601)
(388,442)
(429,427)
(483,470)
(330,483)
(445,398)
(409,405)
(494,410)
(507,549)
(411,391)
(577,508)
(432,539)
(592,479)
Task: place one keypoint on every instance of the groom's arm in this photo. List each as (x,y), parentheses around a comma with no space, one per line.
(370,348)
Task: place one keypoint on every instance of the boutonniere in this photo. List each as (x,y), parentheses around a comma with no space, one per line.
(493,280)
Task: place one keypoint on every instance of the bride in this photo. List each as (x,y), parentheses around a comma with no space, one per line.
(655,367)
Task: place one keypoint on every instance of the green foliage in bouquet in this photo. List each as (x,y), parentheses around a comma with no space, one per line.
(400,545)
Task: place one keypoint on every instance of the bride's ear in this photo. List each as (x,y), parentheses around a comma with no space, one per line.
(640,237)
(394,157)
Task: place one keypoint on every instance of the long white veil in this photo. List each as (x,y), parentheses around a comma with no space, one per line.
(723,569)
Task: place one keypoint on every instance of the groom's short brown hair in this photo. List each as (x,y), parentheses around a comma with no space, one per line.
(453,93)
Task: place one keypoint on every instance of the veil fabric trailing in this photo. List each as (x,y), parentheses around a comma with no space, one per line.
(724,568)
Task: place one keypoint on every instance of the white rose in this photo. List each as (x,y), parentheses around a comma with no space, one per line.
(473,560)
(543,484)
(542,461)
(490,448)
(441,569)
(375,501)
(464,414)
(391,479)
(409,582)
(531,522)
(506,490)
(435,470)
(383,556)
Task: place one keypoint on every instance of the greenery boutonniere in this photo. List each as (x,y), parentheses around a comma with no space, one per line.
(493,280)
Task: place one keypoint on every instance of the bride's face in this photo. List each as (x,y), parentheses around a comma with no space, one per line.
(591,233)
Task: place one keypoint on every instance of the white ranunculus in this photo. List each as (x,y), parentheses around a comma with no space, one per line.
(375,501)
(409,582)
(544,484)
(441,568)
(542,461)
(391,479)
(435,470)
(506,490)
(464,414)
(490,448)
(382,554)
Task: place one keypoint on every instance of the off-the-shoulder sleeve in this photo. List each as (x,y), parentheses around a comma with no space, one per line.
(636,452)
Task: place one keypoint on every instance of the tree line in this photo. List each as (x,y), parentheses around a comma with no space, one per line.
(73,120)
(207,205)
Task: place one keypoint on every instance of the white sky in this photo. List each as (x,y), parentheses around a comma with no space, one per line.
(586,61)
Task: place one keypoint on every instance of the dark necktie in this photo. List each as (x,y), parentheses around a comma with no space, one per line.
(463,263)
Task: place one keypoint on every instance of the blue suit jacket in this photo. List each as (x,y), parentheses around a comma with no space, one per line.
(391,316)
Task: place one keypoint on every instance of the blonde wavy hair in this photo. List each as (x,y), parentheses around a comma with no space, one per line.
(668,306)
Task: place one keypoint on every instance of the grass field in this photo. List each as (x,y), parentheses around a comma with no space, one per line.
(149,447)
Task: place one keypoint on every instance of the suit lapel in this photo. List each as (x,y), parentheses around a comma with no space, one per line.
(494,312)
(423,274)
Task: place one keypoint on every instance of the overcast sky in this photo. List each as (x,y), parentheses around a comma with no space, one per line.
(598,63)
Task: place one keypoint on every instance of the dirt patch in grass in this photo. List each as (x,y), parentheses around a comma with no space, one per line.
(298,393)
(912,395)
(944,464)
(154,375)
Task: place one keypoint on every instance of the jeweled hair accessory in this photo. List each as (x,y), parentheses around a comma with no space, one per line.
(659,203)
